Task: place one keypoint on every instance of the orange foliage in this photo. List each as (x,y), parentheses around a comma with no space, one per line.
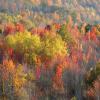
(91,35)
(49,2)
(57,26)
(20,27)
(10,66)
(38,61)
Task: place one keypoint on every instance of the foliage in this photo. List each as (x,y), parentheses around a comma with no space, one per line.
(53,46)
(93,75)
(19,78)
(66,36)
(56,61)
(98,29)
(26,44)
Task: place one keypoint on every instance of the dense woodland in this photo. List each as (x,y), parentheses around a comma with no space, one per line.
(48,57)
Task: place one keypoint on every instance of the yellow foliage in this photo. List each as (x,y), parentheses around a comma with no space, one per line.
(54,45)
(19,78)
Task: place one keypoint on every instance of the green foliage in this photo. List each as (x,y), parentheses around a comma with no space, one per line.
(74,14)
(93,75)
(88,28)
(27,23)
(66,36)
(74,98)
(4,17)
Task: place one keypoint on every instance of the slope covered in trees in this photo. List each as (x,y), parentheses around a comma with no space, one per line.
(48,51)
(57,61)
(87,10)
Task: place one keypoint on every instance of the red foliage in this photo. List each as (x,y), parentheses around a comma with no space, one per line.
(75,32)
(57,79)
(91,35)
(90,93)
(10,52)
(59,72)
(95,90)
(38,72)
(74,55)
(9,28)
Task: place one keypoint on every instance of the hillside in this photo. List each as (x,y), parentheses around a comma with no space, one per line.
(88,10)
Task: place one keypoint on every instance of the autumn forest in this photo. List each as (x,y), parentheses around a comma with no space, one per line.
(49,51)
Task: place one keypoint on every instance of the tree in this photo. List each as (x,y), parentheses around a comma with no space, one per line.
(24,44)
(66,35)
